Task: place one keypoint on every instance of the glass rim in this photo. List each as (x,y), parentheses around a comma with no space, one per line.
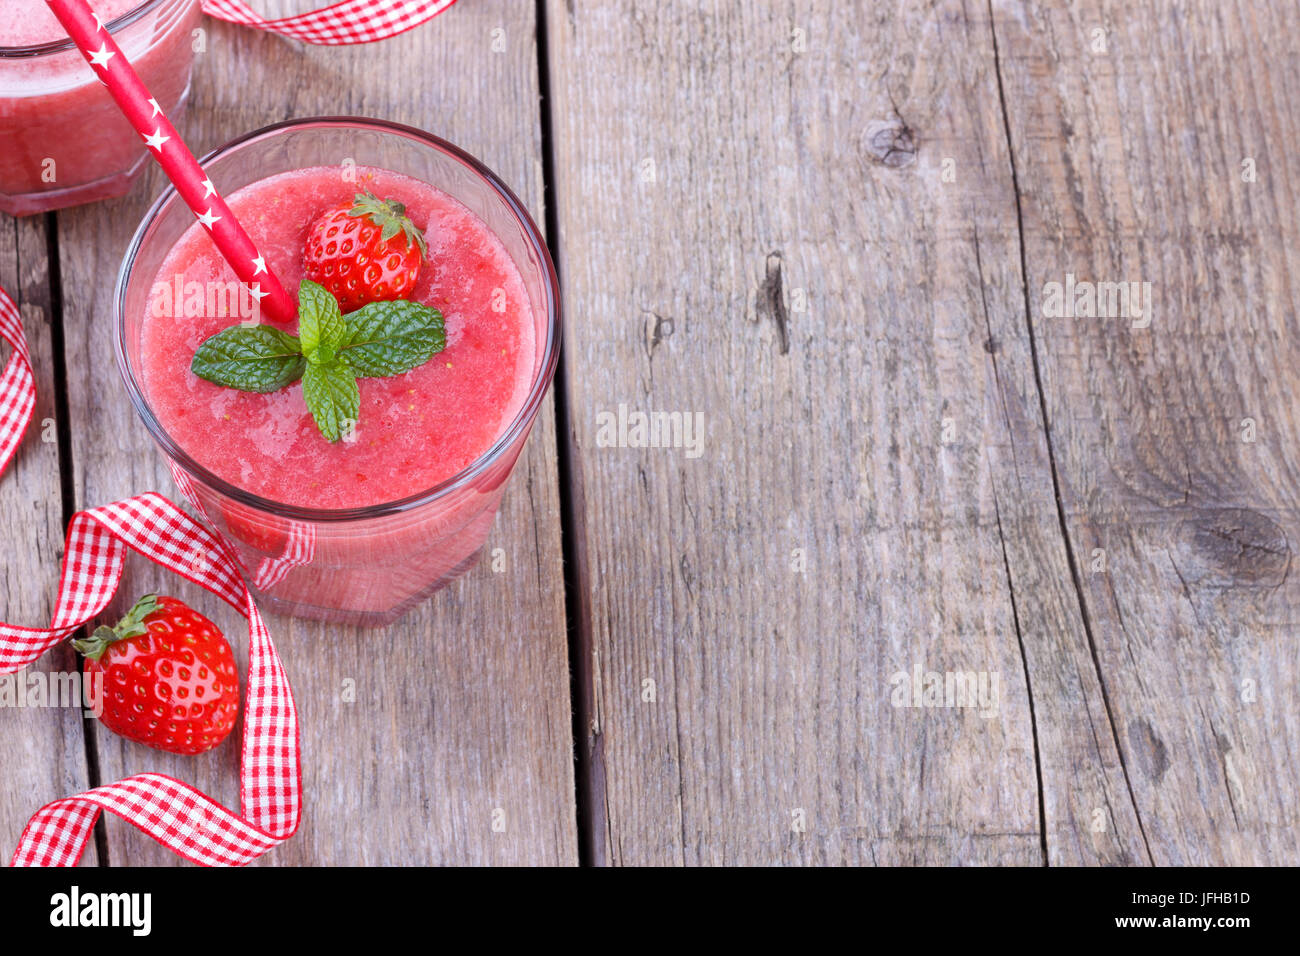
(59,46)
(514,431)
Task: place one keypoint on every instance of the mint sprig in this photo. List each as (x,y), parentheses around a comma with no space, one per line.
(329,353)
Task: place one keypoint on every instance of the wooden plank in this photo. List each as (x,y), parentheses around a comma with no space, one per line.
(755,227)
(463,707)
(1171,162)
(43,749)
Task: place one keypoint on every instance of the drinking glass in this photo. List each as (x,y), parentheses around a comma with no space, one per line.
(357,565)
(63,140)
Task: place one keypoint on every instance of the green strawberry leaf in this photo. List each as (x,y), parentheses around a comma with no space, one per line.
(390,216)
(320,324)
(330,390)
(258,358)
(389,338)
(132,625)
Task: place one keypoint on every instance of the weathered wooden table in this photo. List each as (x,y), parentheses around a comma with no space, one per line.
(831,235)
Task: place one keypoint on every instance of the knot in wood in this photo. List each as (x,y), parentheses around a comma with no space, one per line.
(891,144)
(1233,547)
(1152,755)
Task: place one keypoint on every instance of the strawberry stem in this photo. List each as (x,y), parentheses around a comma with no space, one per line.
(390,216)
(131,625)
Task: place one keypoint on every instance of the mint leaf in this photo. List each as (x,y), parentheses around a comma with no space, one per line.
(320,324)
(389,338)
(330,390)
(258,358)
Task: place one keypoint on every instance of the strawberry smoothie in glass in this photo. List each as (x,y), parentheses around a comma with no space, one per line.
(63,140)
(361,525)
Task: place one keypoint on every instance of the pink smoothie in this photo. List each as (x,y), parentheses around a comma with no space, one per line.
(417,429)
(62,139)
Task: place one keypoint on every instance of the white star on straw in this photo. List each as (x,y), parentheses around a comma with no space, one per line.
(156,140)
(102,57)
(208,219)
(156,108)
(98,22)
(255,289)
(260,264)
(208,188)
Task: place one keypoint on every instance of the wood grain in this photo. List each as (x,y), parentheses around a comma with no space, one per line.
(754,225)
(463,707)
(42,750)
(1173,163)
(828,232)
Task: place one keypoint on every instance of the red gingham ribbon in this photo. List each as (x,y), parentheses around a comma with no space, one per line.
(175,814)
(298,551)
(17,388)
(351,21)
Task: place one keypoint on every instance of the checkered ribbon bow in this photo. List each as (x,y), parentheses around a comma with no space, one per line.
(173,813)
(351,21)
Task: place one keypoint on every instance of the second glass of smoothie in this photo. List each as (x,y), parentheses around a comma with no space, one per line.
(357,530)
(63,141)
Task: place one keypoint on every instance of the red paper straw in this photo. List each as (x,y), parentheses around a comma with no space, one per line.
(165,145)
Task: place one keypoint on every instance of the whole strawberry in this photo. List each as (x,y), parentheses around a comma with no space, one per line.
(169,677)
(355,251)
